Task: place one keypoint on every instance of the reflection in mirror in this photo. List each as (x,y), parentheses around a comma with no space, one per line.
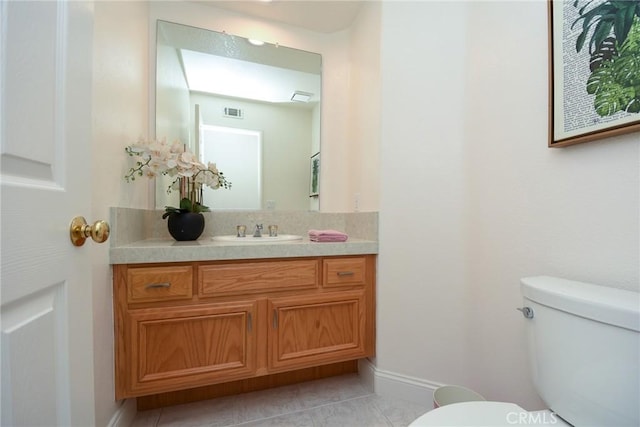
(252,109)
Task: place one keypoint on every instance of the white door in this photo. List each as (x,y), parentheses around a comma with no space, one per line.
(196,147)
(45,134)
(238,154)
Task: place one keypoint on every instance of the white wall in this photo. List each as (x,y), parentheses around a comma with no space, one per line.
(120,100)
(364,113)
(422,296)
(472,199)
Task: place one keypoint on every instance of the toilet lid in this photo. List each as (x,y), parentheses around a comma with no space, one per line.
(494,414)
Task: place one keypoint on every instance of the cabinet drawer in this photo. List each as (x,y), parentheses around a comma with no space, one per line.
(254,277)
(344,272)
(147,284)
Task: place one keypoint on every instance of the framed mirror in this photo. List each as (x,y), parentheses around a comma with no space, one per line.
(252,108)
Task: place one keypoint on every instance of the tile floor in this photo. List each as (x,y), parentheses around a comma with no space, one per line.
(331,402)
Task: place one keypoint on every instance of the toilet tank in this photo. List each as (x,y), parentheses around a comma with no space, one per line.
(584,348)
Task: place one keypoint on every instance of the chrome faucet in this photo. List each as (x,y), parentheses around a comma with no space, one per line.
(258,232)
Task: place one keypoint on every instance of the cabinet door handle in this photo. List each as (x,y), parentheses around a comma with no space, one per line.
(249,322)
(275,319)
(158,285)
(345,273)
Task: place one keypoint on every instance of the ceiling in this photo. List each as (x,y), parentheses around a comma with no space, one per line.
(230,66)
(234,78)
(323,16)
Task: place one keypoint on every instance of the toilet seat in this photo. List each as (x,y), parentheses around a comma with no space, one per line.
(489,414)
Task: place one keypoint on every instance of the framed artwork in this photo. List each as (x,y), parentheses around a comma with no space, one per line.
(314,182)
(594,70)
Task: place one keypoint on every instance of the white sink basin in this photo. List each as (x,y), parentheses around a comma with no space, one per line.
(263,239)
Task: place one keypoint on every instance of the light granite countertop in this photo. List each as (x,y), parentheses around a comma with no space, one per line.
(141,236)
(206,249)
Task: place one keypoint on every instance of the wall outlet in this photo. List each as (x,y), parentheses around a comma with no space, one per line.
(356,202)
(271,204)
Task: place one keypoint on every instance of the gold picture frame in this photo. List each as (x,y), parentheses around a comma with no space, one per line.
(594,70)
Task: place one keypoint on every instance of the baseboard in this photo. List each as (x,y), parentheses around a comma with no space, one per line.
(391,384)
(124,415)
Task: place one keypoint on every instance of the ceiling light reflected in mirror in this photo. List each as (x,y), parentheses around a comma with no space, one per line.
(256,42)
(299,96)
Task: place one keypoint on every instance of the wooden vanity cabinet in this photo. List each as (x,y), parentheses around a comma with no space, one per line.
(185,325)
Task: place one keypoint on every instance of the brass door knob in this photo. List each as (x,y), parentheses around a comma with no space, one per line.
(80,231)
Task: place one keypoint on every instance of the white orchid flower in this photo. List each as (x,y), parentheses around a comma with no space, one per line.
(158,157)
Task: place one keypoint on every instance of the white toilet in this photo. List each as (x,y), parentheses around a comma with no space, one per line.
(584,347)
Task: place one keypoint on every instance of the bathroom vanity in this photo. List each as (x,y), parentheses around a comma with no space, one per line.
(184,325)
(193,315)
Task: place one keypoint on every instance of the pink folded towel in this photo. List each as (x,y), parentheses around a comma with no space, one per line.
(327,236)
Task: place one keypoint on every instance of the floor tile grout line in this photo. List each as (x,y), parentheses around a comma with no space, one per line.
(157,423)
(304,410)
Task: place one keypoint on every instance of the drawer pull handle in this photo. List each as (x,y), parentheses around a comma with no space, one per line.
(249,322)
(275,319)
(345,273)
(158,285)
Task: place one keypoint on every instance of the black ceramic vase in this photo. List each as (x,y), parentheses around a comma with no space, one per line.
(185,226)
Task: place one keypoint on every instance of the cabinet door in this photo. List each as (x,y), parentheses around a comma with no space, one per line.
(316,329)
(184,347)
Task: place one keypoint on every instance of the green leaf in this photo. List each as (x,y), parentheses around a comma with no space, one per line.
(602,31)
(606,51)
(197,207)
(627,69)
(580,41)
(186,204)
(632,42)
(624,21)
(634,105)
(602,77)
(581,11)
(615,76)
(610,95)
(586,25)
(603,16)
(170,210)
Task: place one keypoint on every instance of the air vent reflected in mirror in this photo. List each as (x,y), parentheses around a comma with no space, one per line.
(235,113)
